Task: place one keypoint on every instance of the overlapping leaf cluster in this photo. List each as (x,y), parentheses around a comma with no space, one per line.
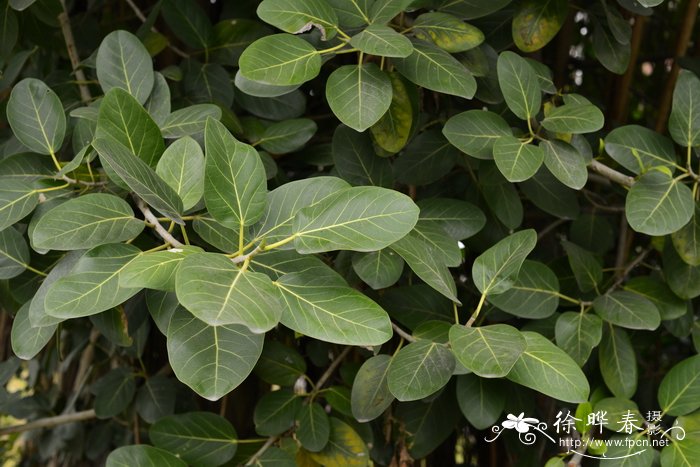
(387,189)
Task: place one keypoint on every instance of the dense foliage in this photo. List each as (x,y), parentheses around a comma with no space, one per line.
(329,232)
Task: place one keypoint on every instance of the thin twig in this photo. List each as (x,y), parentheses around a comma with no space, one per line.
(544,232)
(64,20)
(612,174)
(270,441)
(139,14)
(402,333)
(331,368)
(242,258)
(50,422)
(75,181)
(152,219)
(637,261)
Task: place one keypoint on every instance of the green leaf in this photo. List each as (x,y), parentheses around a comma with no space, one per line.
(188,22)
(314,427)
(345,447)
(383,41)
(686,241)
(658,204)
(27,340)
(200,438)
(433,68)
(189,121)
(628,310)
(85,222)
(679,392)
(14,253)
(17,199)
(155,270)
(420,369)
(326,309)
(275,412)
(142,455)
(384,11)
(684,122)
(212,360)
(496,270)
(475,132)
(123,62)
(358,218)
(207,83)
(428,423)
(392,131)
(516,159)
(610,53)
(93,284)
(158,103)
(215,234)
(574,118)
(114,392)
(618,363)
(472,9)
(359,95)
(519,85)
(125,121)
(287,136)
(459,219)
(638,148)
(370,390)
(546,368)
(182,167)
(156,398)
(140,178)
(422,259)
(488,351)
(586,267)
(280,60)
(219,292)
(37,309)
(578,334)
(445,249)
(481,400)
(669,305)
(36,116)
(234,179)
(259,89)
(297,16)
(684,452)
(534,295)
(551,196)
(355,159)
(448,32)
(501,196)
(682,278)
(565,163)
(426,159)
(280,364)
(284,202)
(378,269)
(536,23)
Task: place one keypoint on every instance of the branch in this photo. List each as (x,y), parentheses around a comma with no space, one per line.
(64,20)
(331,368)
(50,422)
(242,258)
(612,174)
(151,218)
(402,333)
(637,261)
(270,441)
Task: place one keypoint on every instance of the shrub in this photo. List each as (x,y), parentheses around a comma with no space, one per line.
(324,232)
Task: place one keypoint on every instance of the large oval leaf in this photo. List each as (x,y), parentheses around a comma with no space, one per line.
(447,32)
(142,455)
(474,132)
(182,167)
(496,270)
(686,241)
(618,363)
(359,95)
(637,148)
(356,161)
(358,218)
(219,292)
(36,116)
(381,40)
(370,395)
(212,360)
(14,253)
(434,69)
(679,392)
(517,160)
(124,120)
(574,118)
(565,163)
(123,62)
(345,447)
(534,295)
(519,85)
(488,351)
(156,269)
(86,222)
(324,308)
(27,340)
(419,370)
(297,16)
(578,334)
(234,179)
(93,284)
(201,438)
(628,310)
(314,428)
(546,368)
(280,60)
(684,122)
(536,22)
(658,204)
